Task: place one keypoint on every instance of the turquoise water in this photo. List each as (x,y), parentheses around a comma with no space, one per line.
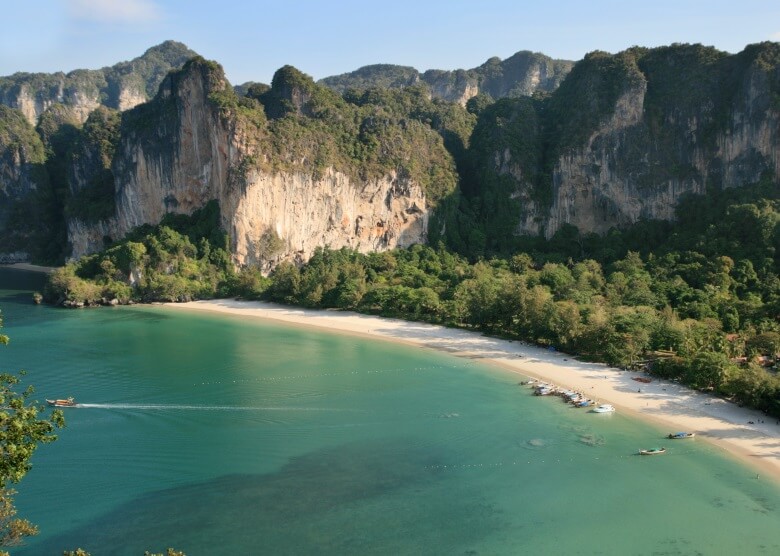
(220,436)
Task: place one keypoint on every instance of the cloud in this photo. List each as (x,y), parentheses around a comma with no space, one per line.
(115,11)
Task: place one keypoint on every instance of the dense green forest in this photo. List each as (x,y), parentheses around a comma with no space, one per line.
(696,300)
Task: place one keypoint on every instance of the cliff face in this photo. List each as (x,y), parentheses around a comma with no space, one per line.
(594,189)
(173,155)
(332,210)
(120,87)
(22,179)
(627,135)
(295,166)
(454,86)
(21,164)
(182,150)
(522,74)
(33,94)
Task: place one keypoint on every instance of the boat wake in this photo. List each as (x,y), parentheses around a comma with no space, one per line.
(182,407)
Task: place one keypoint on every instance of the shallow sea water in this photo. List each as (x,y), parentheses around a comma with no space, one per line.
(216,435)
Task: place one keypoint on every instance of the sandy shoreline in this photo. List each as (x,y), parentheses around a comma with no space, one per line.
(667,404)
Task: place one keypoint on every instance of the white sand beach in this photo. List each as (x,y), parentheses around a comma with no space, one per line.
(740,432)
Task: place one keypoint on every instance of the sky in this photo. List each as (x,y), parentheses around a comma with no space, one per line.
(251,39)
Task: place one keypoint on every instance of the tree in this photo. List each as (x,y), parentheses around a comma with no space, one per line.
(12,529)
(558,278)
(475,105)
(21,432)
(565,323)
(709,370)
(766,343)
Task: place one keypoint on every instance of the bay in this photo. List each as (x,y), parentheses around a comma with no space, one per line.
(216,435)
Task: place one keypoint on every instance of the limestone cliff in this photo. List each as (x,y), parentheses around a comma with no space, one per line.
(194,143)
(296,166)
(522,74)
(625,136)
(332,210)
(20,151)
(21,174)
(120,87)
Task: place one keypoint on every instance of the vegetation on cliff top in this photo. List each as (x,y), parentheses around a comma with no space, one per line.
(375,76)
(35,223)
(91,158)
(142,74)
(23,181)
(18,138)
(587,98)
(149,69)
(478,166)
(500,78)
(511,152)
(297,124)
(512,77)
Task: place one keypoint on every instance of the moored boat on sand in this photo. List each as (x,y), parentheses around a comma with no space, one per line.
(679,435)
(604,408)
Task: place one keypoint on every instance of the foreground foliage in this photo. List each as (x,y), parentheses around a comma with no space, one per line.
(21,432)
